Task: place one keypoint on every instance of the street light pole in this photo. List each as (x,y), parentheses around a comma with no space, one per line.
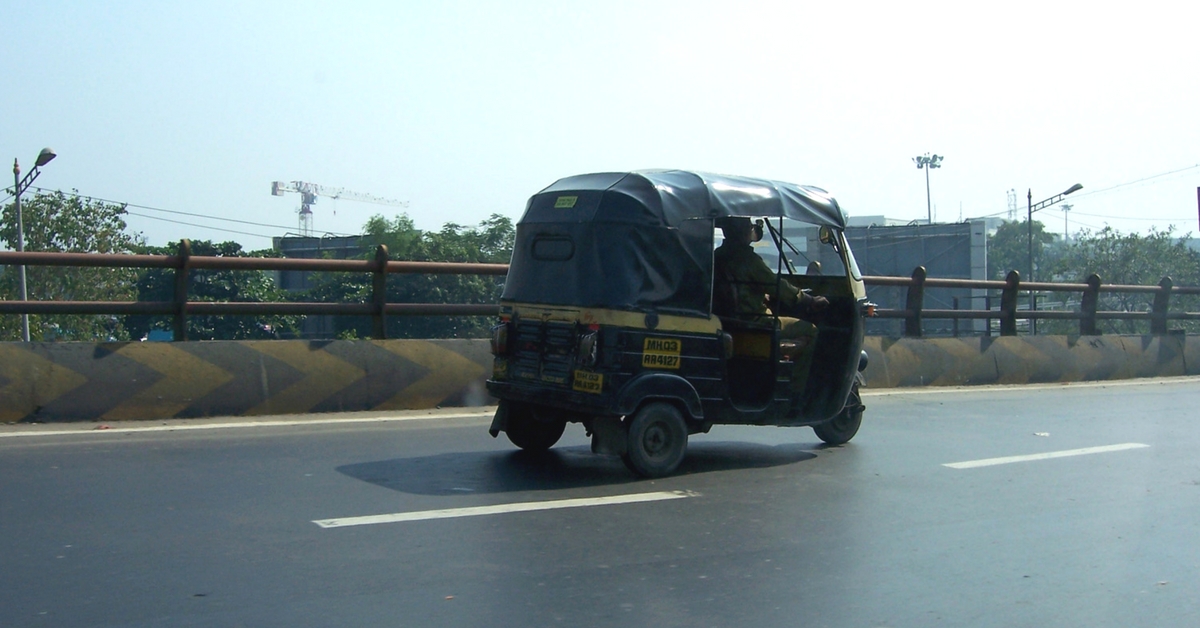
(19,186)
(1029,227)
(927,162)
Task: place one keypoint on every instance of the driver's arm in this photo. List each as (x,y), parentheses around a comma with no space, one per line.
(794,301)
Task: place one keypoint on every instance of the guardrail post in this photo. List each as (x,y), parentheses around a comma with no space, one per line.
(181,290)
(379,293)
(987,304)
(1008,304)
(1088,305)
(1158,312)
(914,302)
(956,317)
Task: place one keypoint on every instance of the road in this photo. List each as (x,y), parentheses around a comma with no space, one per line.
(1084,512)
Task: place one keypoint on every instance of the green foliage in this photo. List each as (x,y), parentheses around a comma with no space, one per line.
(1008,249)
(68,223)
(490,242)
(158,284)
(1131,259)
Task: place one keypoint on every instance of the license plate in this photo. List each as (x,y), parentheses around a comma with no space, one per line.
(588,382)
(661,353)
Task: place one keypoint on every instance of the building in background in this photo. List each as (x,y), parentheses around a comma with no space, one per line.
(347,247)
(889,247)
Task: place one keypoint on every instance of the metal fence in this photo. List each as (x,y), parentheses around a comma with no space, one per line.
(1010,292)
(1007,314)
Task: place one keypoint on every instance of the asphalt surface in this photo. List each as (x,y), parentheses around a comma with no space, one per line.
(1085,512)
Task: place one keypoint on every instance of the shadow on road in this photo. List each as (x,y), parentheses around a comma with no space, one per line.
(559,468)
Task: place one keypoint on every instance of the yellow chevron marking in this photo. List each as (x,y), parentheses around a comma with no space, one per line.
(897,361)
(449,373)
(1028,355)
(1084,356)
(962,359)
(324,373)
(186,378)
(33,381)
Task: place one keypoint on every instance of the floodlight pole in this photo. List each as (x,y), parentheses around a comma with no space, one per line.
(1029,229)
(927,162)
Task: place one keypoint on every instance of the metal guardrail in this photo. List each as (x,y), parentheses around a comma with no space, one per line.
(180,307)
(1009,289)
(379,309)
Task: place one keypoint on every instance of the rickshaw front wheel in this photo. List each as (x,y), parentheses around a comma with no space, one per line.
(529,428)
(841,428)
(657,440)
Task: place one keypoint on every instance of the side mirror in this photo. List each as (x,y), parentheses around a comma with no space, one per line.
(825,235)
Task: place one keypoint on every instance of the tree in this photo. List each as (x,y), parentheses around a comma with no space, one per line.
(1008,249)
(490,242)
(1132,259)
(158,284)
(68,223)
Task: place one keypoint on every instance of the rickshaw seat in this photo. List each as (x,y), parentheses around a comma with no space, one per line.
(750,340)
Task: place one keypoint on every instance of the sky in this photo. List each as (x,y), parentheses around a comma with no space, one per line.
(188,111)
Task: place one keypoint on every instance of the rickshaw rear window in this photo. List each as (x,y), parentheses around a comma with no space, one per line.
(555,248)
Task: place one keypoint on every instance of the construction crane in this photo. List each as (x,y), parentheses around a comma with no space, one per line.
(310,191)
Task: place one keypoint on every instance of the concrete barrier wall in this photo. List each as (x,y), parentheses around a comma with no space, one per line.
(150,380)
(897,362)
(156,380)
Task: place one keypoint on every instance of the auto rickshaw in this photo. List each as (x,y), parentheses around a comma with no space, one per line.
(609,317)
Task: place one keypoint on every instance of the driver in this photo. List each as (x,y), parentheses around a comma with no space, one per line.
(738,268)
(744,280)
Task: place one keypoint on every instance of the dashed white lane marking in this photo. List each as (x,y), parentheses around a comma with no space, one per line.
(988,462)
(476,511)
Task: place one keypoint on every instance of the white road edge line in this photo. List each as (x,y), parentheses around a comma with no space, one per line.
(877,392)
(476,511)
(988,462)
(1025,388)
(240,424)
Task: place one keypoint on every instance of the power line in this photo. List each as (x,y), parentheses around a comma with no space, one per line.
(1121,185)
(1073,212)
(992,215)
(1109,189)
(1091,227)
(191,224)
(182,213)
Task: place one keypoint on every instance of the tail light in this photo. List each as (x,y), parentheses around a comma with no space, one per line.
(589,347)
(500,339)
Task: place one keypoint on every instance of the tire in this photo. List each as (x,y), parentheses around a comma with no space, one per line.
(530,428)
(841,428)
(657,440)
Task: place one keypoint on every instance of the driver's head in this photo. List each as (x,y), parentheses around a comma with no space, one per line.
(740,229)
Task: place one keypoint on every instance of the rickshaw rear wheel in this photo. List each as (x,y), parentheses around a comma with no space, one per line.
(530,429)
(657,440)
(844,426)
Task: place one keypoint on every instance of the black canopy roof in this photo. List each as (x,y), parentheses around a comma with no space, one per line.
(642,241)
(677,195)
